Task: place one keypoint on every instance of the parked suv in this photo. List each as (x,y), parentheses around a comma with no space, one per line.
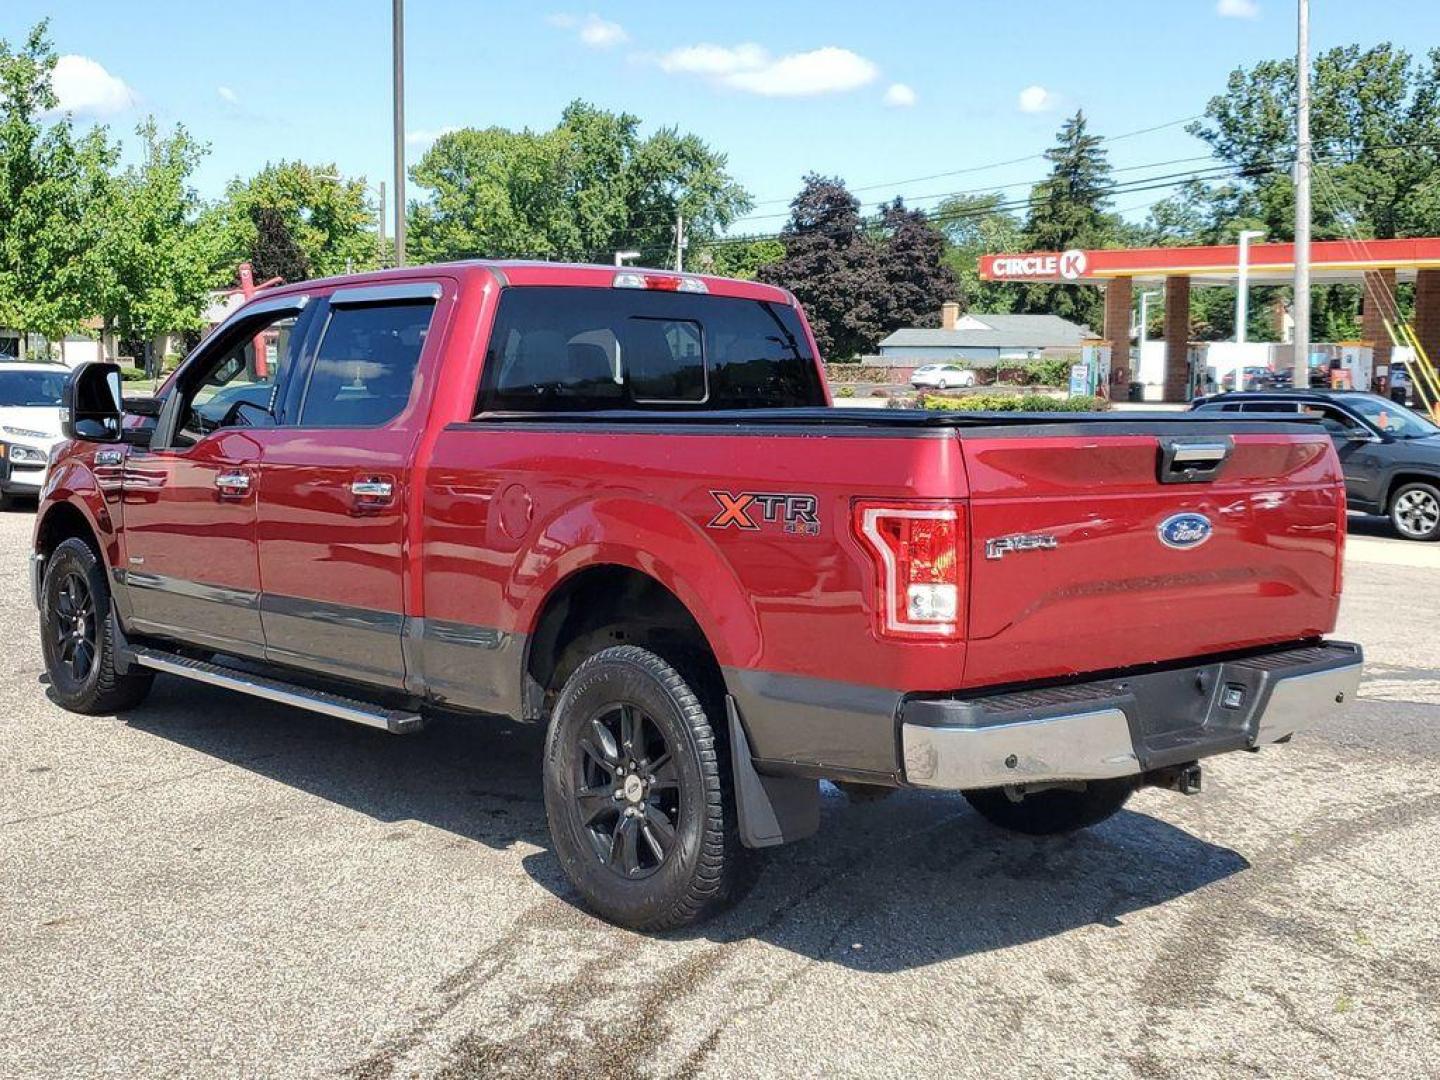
(1390,454)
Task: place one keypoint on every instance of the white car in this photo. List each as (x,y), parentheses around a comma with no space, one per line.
(942,376)
(29,425)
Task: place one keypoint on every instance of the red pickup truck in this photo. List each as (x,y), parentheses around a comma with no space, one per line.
(620,503)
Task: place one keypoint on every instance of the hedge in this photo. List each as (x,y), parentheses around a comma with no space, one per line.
(1014,403)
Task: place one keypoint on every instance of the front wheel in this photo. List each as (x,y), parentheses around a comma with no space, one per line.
(1415,511)
(638,794)
(77,636)
(1053,810)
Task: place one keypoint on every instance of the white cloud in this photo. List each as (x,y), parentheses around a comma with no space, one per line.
(226,94)
(1237,9)
(750,68)
(85,88)
(426,136)
(900,96)
(1034,99)
(592,30)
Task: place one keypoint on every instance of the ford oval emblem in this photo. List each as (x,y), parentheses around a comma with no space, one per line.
(1185,530)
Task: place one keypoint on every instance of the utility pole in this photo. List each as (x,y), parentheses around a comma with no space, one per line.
(1302,199)
(382,220)
(398,73)
(679,240)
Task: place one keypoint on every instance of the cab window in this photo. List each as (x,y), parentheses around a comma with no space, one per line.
(365,364)
(236,384)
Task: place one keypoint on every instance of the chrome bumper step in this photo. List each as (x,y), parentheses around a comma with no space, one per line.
(395,721)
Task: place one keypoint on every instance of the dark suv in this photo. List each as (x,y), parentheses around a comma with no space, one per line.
(1390,454)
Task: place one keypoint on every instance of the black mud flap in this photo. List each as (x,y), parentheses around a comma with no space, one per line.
(772,809)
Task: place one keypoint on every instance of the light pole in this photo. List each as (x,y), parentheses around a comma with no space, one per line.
(1242,300)
(623,257)
(1302,199)
(398,78)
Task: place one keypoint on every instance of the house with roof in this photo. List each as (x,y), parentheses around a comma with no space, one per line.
(982,339)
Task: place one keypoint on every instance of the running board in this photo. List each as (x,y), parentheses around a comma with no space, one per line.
(302,697)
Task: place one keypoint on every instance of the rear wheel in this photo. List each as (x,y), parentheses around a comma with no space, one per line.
(638,794)
(1053,810)
(77,636)
(1415,511)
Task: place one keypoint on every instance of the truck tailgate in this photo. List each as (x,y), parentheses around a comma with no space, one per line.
(1070,573)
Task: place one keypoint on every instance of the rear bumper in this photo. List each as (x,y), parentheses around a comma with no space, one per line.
(1126,725)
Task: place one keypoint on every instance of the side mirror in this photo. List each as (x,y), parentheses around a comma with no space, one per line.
(91,407)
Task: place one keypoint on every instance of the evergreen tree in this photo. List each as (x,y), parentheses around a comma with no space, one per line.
(833,268)
(1069,209)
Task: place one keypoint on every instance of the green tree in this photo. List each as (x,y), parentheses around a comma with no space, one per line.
(976,225)
(154,258)
(1070,209)
(833,267)
(51,183)
(330,218)
(1375,134)
(737,257)
(584,189)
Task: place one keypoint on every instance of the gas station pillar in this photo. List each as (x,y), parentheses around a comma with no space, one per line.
(1427,312)
(1177,339)
(1379,307)
(1118,296)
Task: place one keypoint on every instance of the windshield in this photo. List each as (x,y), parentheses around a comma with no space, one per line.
(1391,418)
(31,387)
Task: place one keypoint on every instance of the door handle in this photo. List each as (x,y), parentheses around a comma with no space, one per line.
(371,493)
(374,490)
(232,485)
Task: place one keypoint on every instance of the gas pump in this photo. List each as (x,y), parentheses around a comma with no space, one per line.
(1356,366)
(1095,378)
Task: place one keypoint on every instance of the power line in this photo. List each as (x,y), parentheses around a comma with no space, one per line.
(997,164)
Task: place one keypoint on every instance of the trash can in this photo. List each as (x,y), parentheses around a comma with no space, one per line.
(1137,392)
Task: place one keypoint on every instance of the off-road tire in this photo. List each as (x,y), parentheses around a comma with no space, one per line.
(1415,511)
(1054,810)
(706,868)
(98,689)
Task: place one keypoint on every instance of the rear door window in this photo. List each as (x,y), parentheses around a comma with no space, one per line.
(559,349)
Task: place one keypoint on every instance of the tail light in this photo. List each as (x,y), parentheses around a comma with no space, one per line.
(919,555)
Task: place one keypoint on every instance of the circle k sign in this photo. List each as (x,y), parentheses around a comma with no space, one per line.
(1069,265)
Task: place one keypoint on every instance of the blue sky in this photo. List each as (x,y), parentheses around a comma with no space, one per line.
(879,96)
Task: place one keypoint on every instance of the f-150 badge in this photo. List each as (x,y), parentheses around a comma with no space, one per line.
(798,514)
(1001,546)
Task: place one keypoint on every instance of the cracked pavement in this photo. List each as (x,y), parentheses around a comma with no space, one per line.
(213,886)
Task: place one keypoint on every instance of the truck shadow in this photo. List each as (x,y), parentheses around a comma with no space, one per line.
(913,880)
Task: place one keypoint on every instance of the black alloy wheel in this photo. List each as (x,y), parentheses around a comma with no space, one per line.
(627,790)
(72,627)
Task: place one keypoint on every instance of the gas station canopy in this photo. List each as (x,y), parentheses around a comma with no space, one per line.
(1331,262)
(1377,266)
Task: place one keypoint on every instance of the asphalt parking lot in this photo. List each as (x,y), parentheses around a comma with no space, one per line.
(214,886)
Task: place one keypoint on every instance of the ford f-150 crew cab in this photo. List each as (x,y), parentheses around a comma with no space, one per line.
(619,503)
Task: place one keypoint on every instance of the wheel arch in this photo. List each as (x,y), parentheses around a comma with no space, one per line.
(611,603)
(1408,475)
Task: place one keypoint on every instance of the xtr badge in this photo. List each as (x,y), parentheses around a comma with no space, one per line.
(798,514)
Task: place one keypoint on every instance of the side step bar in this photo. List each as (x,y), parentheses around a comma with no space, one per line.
(394,721)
